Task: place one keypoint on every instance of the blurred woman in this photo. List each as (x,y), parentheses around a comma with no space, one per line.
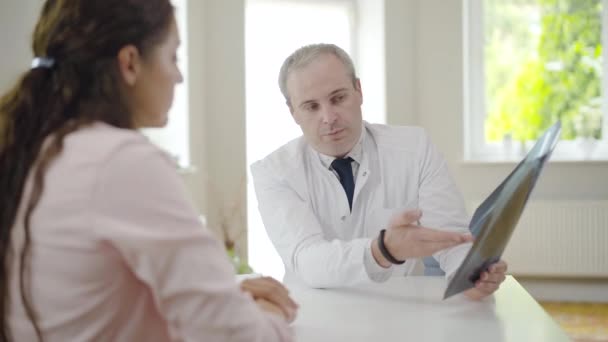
(98,241)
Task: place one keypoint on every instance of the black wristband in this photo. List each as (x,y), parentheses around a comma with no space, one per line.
(385,253)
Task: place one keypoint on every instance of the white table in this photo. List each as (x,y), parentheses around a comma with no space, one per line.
(411,309)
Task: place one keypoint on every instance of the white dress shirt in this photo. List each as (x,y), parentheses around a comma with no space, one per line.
(307,215)
(119,253)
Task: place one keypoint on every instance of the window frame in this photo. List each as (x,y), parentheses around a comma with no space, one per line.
(476,149)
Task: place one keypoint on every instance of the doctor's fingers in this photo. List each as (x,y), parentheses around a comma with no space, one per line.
(499,267)
(406,218)
(428,248)
(481,291)
(487,286)
(434,235)
(492,277)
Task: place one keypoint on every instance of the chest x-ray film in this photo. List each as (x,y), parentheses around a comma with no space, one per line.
(496,218)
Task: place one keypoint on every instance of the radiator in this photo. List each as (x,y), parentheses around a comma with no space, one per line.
(560,239)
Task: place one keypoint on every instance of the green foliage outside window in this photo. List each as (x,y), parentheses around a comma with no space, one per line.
(542,63)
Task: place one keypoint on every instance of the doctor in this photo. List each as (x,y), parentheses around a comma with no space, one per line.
(349,202)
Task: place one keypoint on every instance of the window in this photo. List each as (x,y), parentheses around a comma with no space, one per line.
(174,137)
(274,29)
(531,63)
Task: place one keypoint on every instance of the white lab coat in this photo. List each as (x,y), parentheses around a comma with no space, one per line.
(307,216)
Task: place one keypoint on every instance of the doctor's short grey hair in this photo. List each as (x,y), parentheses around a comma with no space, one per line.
(305,55)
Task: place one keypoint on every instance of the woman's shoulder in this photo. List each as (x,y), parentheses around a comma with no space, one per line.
(101,142)
(100,135)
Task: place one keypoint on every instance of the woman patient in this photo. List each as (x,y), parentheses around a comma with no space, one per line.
(98,241)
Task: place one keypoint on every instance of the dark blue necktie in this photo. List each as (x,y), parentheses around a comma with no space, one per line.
(345,171)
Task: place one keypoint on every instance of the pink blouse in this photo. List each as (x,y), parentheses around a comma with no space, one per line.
(119,253)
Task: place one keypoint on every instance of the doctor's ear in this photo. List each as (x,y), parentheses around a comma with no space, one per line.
(359,90)
(288,103)
(129,64)
(295,116)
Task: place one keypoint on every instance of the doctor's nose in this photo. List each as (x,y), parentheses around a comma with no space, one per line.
(329,115)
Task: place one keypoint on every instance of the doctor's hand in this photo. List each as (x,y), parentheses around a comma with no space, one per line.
(489,281)
(405,239)
(271,296)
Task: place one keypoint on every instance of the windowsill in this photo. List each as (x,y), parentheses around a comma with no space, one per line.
(566,152)
(513,162)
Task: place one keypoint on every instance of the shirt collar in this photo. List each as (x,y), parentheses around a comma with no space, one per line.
(356,153)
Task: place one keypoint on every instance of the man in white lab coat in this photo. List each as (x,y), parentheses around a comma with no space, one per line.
(349,202)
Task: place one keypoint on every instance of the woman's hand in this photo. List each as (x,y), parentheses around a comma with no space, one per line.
(271,296)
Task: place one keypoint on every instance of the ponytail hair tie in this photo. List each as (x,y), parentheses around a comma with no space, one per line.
(43,62)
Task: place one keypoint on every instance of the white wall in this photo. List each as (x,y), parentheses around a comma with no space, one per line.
(401,78)
(17,18)
(218,112)
(370,59)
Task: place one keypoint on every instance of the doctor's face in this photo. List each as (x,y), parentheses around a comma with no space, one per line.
(326,105)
